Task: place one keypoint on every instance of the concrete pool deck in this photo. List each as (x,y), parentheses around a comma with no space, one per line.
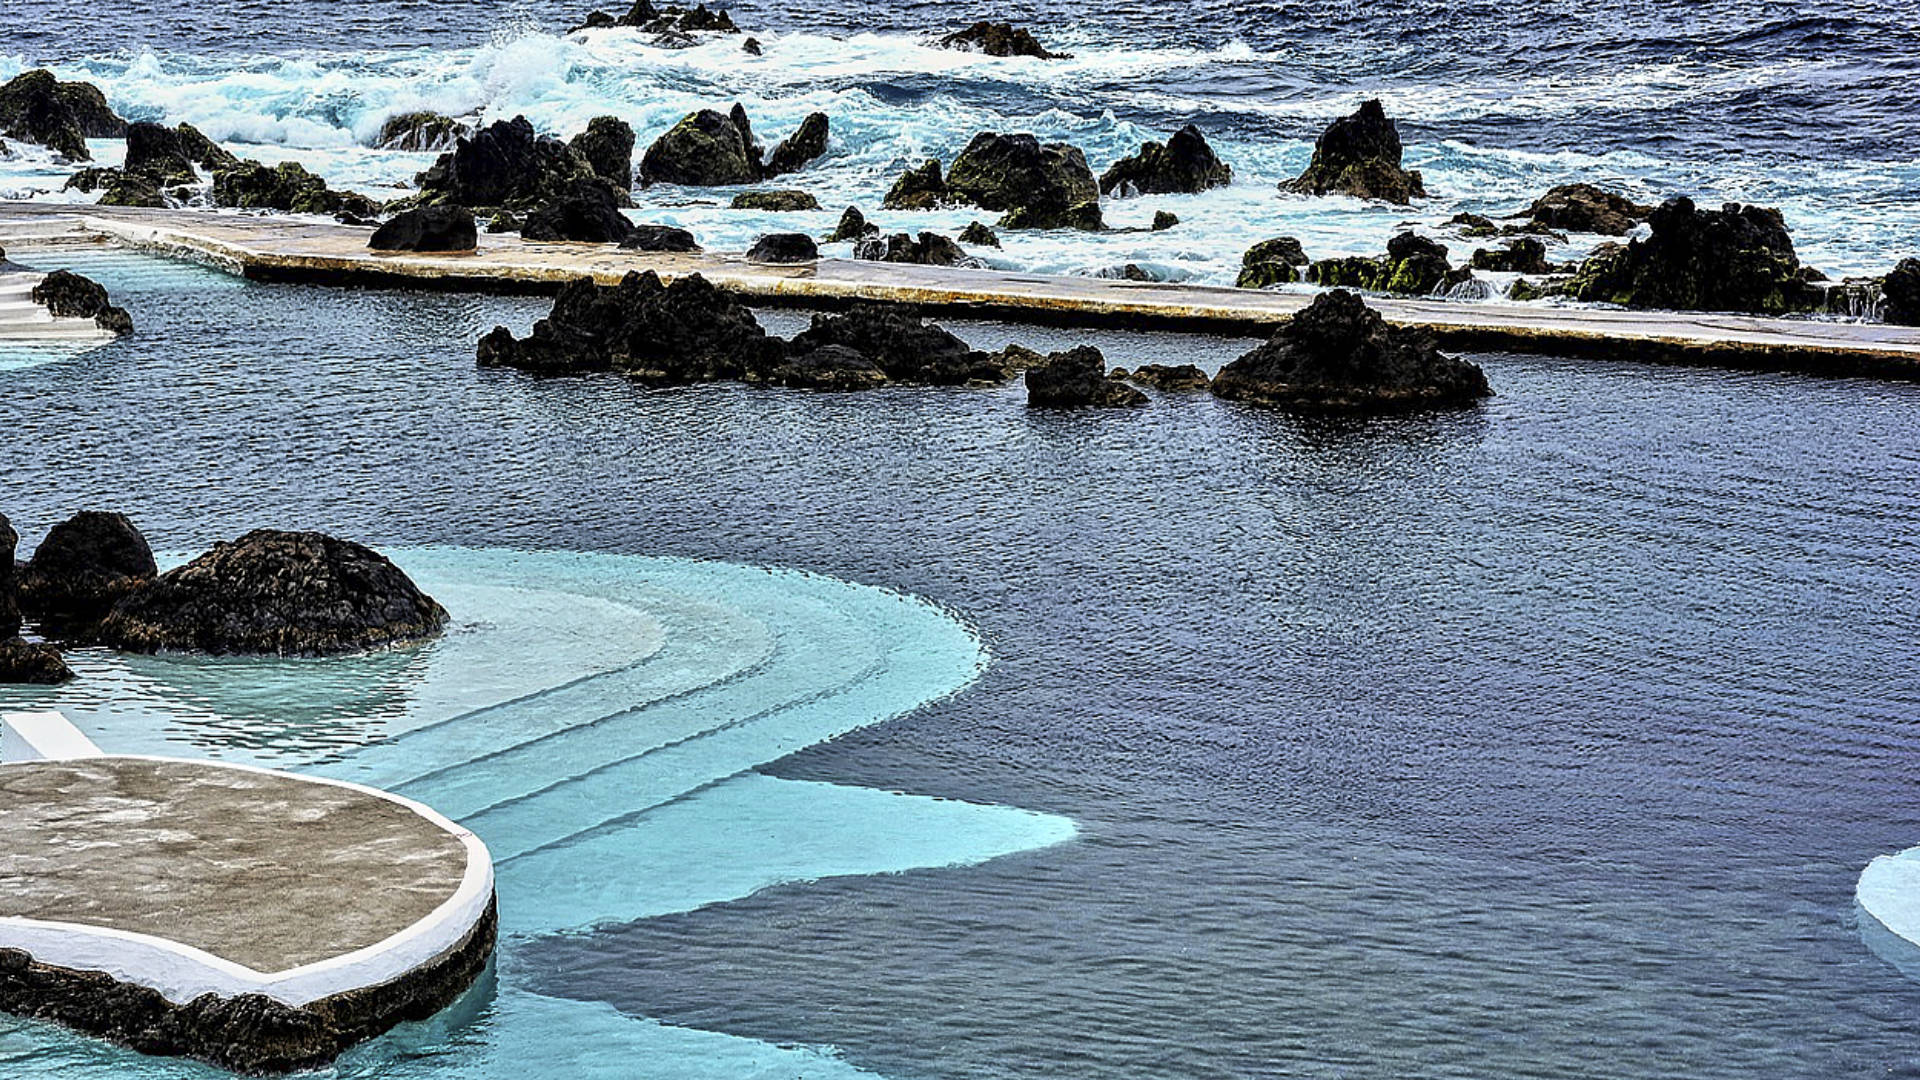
(303,249)
(256,919)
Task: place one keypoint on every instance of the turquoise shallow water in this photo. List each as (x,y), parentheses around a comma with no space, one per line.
(596,719)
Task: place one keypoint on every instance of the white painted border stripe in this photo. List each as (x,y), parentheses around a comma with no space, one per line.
(42,736)
(181,972)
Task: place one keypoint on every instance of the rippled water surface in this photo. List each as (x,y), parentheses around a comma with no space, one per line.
(1546,739)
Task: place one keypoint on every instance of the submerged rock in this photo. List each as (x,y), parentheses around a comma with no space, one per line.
(1171,376)
(901,344)
(659,238)
(31,663)
(1586,208)
(1271,262)
(1901,292)
(584,213)
(919,188)
(168,155)
(67,295)
(1339,354)
(929,249)
(1183,165)
(796,151)
(1359,155)
(288,186)
(274,593)
(85,565)
(1737,258)
(783,248)
(35,107)
(671,19)
(607,147)
(505,165)
(687,332)
(775,201)
(999,39)
(430,228)
(829,367)
(420,131)
(1076,379)
(979,235)
(1039,186)
(853,226)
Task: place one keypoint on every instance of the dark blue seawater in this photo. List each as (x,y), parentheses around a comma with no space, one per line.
(1546,739)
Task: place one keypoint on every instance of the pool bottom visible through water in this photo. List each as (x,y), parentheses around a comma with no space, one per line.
(1547,738)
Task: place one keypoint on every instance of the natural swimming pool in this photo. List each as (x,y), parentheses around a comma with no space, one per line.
(1540,740)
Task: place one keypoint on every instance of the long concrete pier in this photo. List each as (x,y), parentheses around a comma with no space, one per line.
(281,248)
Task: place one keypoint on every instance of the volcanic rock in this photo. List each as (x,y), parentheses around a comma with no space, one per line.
(999,39)
(1340,355)
(85,564)
(1359,155)
(1184,164)
(429,228)
(274,593)
(659,238)
(67,295)
(1075,379)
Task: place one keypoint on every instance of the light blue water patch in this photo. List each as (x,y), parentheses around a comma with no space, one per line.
(1889,899)
(596,719)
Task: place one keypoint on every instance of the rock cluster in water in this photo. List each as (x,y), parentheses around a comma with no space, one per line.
(708,148)
(278,594)
(1036,185)
(1737,258)
(85,565)
(67,295)
(420,131)
(1586,208)
(507,166)
(1184,164)
(1278,261)
(21,661)
(1414,265)
(672,26)
(1340,355)
(928,249)
(999,39)
(1359,155)
(35,107)
(1900,290)
(1075,379)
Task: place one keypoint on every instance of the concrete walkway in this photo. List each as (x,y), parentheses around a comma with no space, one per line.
(285,248)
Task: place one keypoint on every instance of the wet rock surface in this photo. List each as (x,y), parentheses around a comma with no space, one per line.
(705,149)
(507,166)
(31,663)
(783,248)
(807,144)
(584,213)
(607,147)
(9,603)
(67,295)
(687,332)
(1272,262)
(430,228)
(829,367)
(1414,265)
(1038,185)
(421,131)
(1170,376)
(1340,355)
(169,155)
(1736,258)
(903,345)
(1077,379)
(999,39)
(1184,164)
(919,188)
(288,186)
(275,593)
(85,565)
(853,226)
(659,238)
(928,249)
(1359,155)
(1586,208)
(775,201)
(35,107)
(1901,292)
(979,235)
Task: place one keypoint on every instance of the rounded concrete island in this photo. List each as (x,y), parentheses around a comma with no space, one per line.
(257,920)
